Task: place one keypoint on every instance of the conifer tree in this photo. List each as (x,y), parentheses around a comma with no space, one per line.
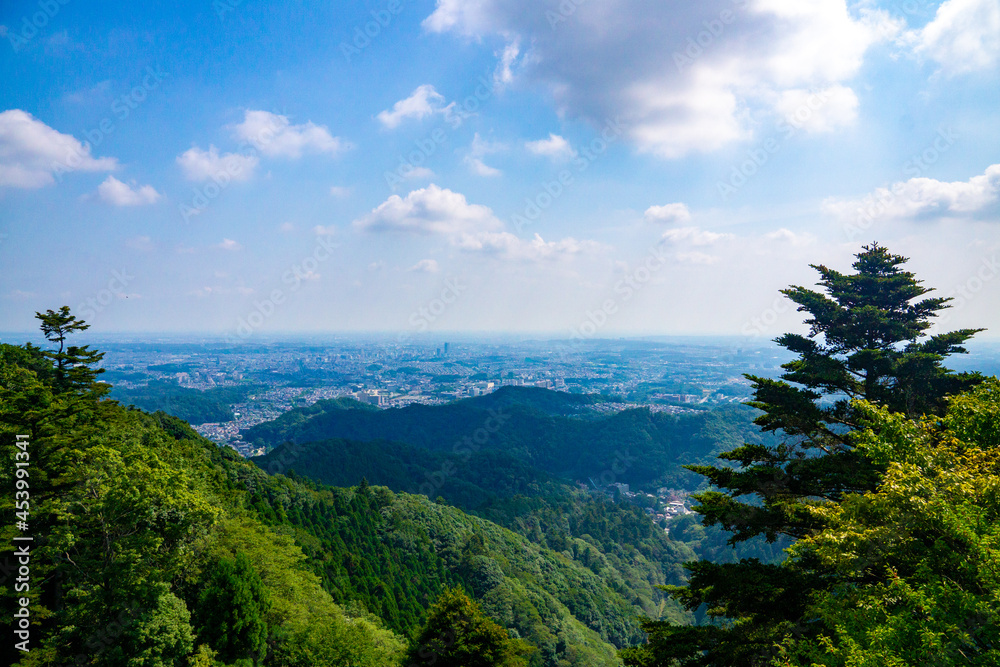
(72,364)
(458,634)
(867,340)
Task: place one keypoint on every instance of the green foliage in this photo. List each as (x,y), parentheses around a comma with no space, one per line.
(134,516)
(458,634)
(231,610)
(914,560)
(527,427)
(192,405)
(866,342)
(72,364)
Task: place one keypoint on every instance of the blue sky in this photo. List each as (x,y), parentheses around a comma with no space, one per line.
(608,167)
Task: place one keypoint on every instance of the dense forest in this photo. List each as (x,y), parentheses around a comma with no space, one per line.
(191,405)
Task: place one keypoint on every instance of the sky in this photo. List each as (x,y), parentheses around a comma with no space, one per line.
(589,168)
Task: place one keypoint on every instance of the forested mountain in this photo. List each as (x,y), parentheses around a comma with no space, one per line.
(157,547)
(191,405)
(532,426)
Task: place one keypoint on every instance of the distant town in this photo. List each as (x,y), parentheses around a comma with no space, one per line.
(670,376)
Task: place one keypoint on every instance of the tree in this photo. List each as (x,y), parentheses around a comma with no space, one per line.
(72,364)
(867,340)
(232,609)
(458,634)
(914,559)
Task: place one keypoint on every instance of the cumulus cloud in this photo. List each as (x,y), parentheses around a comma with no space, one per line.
(115,192)
(430,210)
(31,152)
(229,245)
(554,148)
(921,198)
(469,227)
(682,77)
(424,101)
(202,165)
(274,136)
(963,36)
(668,213)
(425,266)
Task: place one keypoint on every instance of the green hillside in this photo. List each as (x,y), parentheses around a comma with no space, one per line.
(637,447)
(201,557)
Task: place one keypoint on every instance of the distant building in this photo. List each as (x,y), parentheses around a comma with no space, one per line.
(373,397)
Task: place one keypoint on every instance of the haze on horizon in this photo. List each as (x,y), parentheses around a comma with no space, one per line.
(491,166)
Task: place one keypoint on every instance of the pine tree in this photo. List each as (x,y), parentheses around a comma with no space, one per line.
(458,634)
(73,370)
(867,340)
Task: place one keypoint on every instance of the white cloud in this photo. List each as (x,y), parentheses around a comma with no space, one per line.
(554,148)
(788,236)
(479,149)
(201,165)
(430,210)
(818,111)
(507,246)
(275,136)
(469,227)
(31,152)
(425,266)
(669,213)
(115,192)
(286,228)
(682,77)
(328,230)
(229,245)
(964,36)
(480,168)
(694,236)
(339,191)
(424,101)
(926,198)
(503,76)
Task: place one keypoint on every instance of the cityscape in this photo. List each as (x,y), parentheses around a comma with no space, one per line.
(668,376)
